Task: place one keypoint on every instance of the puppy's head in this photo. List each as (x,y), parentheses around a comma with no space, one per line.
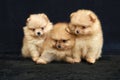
(82,21)
(38,24)
(61,39)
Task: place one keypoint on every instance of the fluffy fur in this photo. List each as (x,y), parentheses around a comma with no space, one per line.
(58,46)
(35,32)
(89,39)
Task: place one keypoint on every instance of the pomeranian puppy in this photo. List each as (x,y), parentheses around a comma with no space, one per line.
(58,46)
(35,32)
(89,38)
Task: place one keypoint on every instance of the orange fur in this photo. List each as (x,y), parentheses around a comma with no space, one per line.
(58,46)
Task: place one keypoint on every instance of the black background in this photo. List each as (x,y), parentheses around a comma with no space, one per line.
(13,14)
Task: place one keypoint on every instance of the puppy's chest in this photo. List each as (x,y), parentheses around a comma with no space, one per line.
(38,43)
(61,54)
(81,43)
(87,42)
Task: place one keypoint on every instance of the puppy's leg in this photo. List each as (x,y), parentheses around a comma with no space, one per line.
(45,58)
(25,51)
(69,59)
(99,54)
(33,52)
(76,54)
(91,55)
(99,50)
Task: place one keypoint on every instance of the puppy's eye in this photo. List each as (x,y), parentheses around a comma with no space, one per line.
(33,29)
(83,27)
(64,41)
(55,40)
(75,26)
(42,28)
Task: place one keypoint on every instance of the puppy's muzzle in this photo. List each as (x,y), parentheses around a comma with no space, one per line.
(58,46)
(38,33)
(77,32)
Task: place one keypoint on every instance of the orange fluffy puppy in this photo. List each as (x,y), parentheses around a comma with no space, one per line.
(35,32)
(58,46)
(89,39)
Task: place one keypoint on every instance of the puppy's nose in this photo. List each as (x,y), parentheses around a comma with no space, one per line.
(59,46)
(78,32)
(38,33)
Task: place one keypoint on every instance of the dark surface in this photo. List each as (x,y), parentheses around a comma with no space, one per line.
(14,67)
(13,15)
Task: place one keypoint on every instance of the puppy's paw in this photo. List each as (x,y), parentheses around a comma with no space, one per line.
(41,61)
(90,60)
(35,59)
(77,60)
(26,55)
(70,60)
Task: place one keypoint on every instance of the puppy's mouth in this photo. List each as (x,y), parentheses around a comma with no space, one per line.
(39,34)
(60,48)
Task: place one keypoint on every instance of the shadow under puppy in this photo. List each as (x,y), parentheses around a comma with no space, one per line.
(58,46)
(35,32)
(89,38)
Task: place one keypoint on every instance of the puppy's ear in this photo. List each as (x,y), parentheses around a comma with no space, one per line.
(44,16)
(48,27)
(92,17)
(72,14)
(28,19)
(68,29)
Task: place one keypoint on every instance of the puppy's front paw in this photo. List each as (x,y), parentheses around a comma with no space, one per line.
(70,60)
(90,60)
(77,60)
(41,61)
(35,59)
